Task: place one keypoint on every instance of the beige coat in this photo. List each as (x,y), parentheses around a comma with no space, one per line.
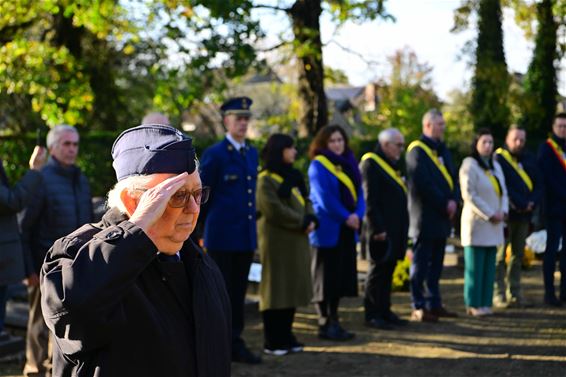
(283,248)
(480,203)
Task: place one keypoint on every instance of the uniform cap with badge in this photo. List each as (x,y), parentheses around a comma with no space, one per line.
(237,106)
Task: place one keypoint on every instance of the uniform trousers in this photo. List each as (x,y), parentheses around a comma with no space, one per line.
(426,266)
(508,275)
(235,268)
(479,273)
(38,347)
(555,228)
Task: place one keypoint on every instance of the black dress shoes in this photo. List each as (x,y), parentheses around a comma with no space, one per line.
(552,301)
(379,323)
(244,355)
(395,320)
(333,331)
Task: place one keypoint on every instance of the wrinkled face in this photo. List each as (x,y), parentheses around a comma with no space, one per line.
(394,147)
(559,127)
(515,140)
(435,128)
(66,149)
(176,224)
(485,145)
(336,143)
(289,155)
(237,125)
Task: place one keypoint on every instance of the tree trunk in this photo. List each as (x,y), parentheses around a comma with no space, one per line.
(305,17)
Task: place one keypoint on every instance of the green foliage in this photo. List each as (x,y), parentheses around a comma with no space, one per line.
(490,83)
(540,97)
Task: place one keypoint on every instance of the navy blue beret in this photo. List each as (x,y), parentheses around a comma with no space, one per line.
(152,148)
(237,105)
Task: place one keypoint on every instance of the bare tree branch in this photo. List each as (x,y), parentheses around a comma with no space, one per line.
(275,47)
(355,53)
(272,7)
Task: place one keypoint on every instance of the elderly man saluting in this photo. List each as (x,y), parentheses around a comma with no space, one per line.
(131,295)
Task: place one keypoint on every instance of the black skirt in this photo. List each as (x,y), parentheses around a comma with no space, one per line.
(334,270)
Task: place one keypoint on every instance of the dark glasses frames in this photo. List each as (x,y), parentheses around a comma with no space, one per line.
(181,197)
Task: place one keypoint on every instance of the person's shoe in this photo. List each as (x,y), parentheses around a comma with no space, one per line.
(333,331)
(275,351)
(421,315)
(518,302)
(486,310)
(395,320)
(500,302)
(443,312)
(552,301)
(296,346)
(379,323)
(244,355)
(475,312)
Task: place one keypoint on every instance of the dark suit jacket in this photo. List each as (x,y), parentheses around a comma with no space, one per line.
(116,310)
(519,194)
(554,179)
(429,192)
(386,209)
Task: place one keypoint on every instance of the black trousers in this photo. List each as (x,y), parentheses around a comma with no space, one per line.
(377,298)
(278,328)
(235,268)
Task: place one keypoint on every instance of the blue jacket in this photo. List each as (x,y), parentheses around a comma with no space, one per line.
(230,214)
(519,193)
(429,192)
(331,213)
(554,179)
(61,205)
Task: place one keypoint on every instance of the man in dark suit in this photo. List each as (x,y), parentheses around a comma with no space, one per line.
(433,202)
(385,226)
(524,188)
(552,162)
(230,167)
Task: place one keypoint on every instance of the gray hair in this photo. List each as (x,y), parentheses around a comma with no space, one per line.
(55,133)
(387,135)
(431,115)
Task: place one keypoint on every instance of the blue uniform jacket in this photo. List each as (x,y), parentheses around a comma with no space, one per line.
(554,180)
(519,194)
(331,213)
(230,214)
(429,193)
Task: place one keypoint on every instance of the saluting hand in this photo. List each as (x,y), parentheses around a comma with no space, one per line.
(153,202)
(38,158)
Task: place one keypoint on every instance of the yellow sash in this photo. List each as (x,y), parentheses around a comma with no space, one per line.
(387,168)
(279,179)
(432,155)
(338,173)
(493,182)
(557,151)
(522,173)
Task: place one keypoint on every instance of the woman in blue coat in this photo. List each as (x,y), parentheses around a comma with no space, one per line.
(338,202)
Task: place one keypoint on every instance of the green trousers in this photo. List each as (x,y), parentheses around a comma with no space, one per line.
(508,275)
(479,274)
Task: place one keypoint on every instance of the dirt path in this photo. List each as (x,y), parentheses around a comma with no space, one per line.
(514,342)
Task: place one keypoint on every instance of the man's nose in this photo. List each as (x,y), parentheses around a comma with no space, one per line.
(191,205)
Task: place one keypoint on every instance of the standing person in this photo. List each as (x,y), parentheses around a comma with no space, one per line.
(286,219)
(385,226)
(433,202)
(552,162)
(524,187)
(13,200)
(338,201)
(61,205)
(131,295)
(230,169)
(485,208)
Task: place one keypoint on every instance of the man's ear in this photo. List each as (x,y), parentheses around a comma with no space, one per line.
(129,202)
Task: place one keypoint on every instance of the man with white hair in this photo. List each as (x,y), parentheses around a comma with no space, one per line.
(61,204)
(385,226)
(132,295)
(433,202)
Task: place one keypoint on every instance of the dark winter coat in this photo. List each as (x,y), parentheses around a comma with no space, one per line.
(116,310)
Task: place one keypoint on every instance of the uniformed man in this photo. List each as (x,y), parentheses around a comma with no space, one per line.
(525,191)
(385,226)
(131,295)
(552,162)
(230,167)
(433,202)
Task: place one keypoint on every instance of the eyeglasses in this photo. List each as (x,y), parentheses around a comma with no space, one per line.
(398,145)
(182,197)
